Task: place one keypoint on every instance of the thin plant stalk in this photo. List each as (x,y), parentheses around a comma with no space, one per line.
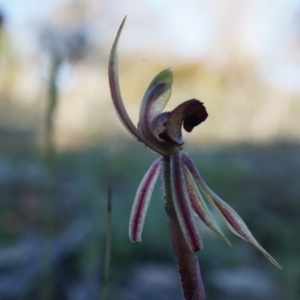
(189,270)
(51,110)
(50,158)
(108,240)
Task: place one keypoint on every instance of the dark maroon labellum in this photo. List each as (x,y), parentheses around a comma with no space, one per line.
(194,116)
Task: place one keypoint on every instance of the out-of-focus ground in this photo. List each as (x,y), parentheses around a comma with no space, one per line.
(248,149)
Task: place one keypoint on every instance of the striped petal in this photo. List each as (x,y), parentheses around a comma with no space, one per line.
(113,76)
(142,200)
(229,216)
(182,204)
(154,101)
(156,96)
(200,208)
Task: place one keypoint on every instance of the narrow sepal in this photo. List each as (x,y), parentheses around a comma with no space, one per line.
(182,204)
(142,200)
(113,76)
(233,221)
(200,208)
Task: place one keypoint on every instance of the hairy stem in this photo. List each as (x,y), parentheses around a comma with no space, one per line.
(189,270)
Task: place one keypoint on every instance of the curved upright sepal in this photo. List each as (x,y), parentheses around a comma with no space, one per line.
(113,76)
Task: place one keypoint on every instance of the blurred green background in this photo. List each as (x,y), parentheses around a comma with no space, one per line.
(61,141)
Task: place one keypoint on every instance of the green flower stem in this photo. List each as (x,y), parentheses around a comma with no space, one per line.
(189,270)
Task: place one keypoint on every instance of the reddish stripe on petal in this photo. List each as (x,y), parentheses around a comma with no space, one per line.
(200,208)
(141,201)
(239,227)
(154,101)
(182,204)
(194,202)
(156,95)
(149,111)
(230,217)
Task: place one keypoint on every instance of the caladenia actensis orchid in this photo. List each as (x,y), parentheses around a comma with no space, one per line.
(186,193)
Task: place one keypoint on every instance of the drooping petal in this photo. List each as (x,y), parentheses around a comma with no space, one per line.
(142,200)
(190,113)
(113,76)
(229,216)
(200,208)
(182,204)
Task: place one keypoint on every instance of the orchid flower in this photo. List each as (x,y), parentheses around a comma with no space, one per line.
(186,193)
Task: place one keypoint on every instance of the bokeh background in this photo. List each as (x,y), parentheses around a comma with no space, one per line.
(62,145)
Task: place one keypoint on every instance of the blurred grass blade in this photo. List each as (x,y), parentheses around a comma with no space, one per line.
(108,238)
